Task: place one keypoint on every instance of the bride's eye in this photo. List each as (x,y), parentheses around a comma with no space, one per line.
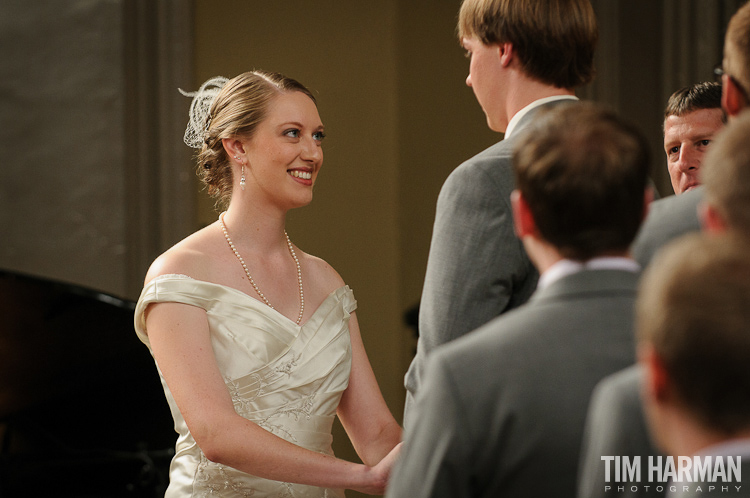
(293,133)
(319,136)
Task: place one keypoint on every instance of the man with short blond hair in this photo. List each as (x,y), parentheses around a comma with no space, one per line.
(726,204)
(525,55)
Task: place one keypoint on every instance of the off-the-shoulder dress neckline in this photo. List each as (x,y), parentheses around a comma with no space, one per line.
(257,302)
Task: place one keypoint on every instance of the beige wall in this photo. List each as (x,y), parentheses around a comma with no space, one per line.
(440,125)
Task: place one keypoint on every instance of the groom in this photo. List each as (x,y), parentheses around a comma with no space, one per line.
(526,55)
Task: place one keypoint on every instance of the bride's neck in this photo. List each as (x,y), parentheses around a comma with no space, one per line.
(261,232)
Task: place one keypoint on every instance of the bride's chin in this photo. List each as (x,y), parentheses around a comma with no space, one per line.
(301,202)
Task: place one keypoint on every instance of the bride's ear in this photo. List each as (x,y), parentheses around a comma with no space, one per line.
(233,147)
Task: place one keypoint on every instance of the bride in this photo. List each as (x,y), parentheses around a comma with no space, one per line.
(256,343)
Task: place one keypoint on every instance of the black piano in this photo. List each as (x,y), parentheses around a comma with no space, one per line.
(82,411)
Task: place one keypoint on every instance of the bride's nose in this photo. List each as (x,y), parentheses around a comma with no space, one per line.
(311,150)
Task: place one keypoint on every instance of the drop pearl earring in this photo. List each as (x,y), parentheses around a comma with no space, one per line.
(242,175)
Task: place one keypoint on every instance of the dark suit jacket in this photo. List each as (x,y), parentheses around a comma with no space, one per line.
(477,267)
(502,409)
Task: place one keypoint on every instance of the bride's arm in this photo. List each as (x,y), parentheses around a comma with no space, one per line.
(180,341)
(362,410)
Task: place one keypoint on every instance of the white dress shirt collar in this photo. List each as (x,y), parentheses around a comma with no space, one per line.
(520,114)
(566,267)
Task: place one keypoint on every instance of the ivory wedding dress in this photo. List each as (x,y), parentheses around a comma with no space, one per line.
(286,378)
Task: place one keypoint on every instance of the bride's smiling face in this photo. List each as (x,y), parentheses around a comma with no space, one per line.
(285,153)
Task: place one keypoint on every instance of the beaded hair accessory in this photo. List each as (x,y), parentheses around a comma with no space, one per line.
(200,107)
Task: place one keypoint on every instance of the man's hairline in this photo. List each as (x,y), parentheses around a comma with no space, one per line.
(680,115)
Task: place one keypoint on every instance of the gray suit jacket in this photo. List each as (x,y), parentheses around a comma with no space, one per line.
(615,425)
(502,410)
(477,267)
(667,219)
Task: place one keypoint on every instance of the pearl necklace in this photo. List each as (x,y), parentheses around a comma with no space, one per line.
(252,282)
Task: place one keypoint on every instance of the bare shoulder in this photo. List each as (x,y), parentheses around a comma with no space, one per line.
(321,276)
(192,256)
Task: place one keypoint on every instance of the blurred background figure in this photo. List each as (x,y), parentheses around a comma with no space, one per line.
(694,346)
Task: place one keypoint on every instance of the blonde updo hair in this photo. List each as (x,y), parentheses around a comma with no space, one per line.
(236,111)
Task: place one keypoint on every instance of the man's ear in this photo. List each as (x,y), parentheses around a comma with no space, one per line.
(656,378)
(732,98)
(711,219)
(523,221)
(506,53)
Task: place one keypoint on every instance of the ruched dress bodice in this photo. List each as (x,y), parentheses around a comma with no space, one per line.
(286,378)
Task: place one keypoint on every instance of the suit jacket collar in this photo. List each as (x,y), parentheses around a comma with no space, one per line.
(515,124)
(589,282)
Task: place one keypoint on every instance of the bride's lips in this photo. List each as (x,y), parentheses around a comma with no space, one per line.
(303,176)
